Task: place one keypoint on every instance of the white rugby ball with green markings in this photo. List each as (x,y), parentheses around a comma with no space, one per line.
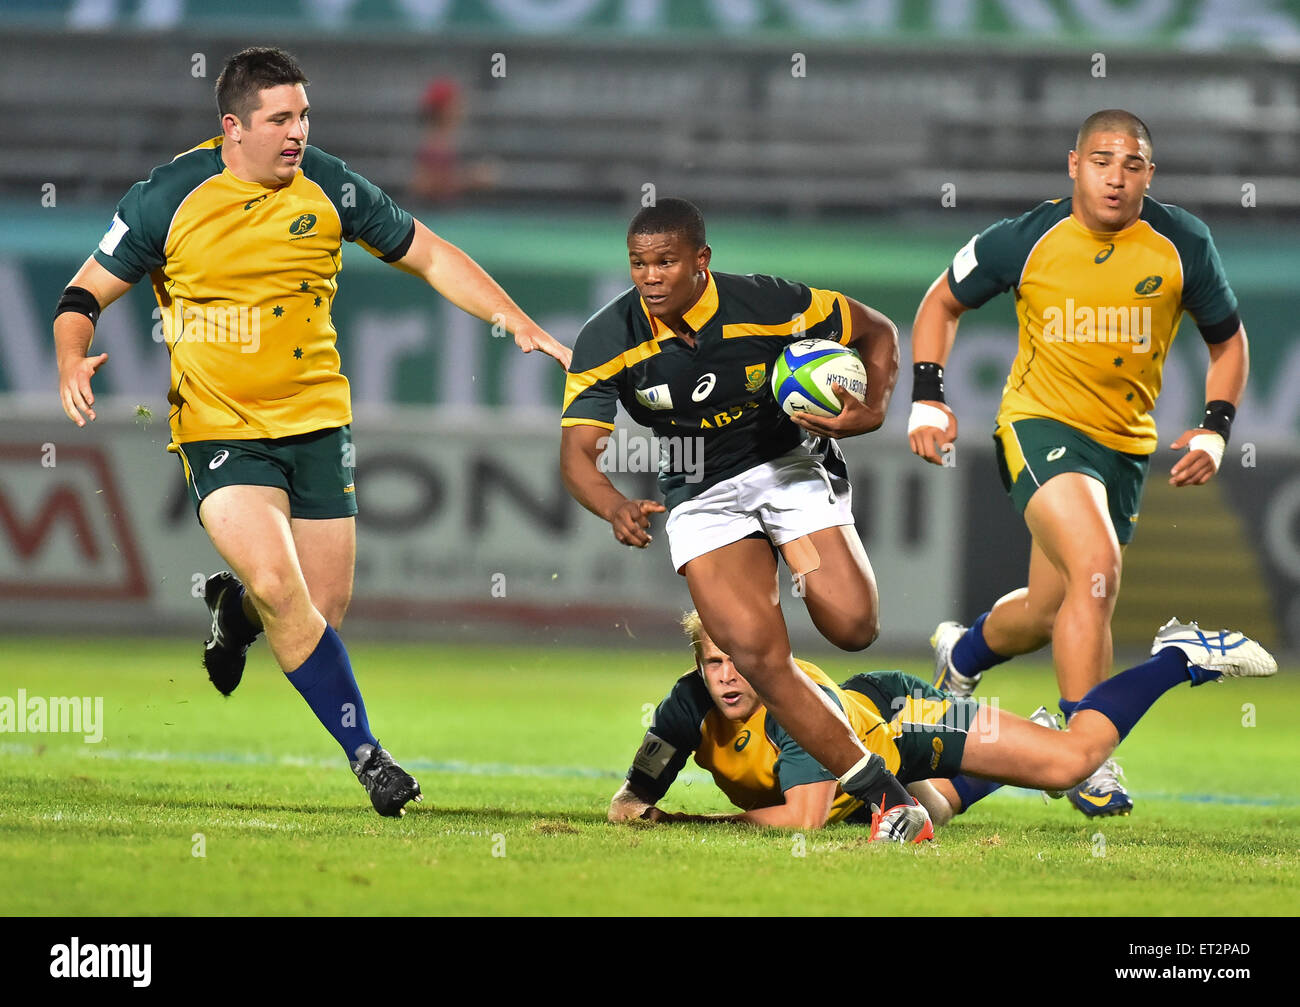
(805,371)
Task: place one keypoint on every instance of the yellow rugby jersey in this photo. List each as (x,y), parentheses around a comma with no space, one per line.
(753,762)
(1097,312)
(245,277)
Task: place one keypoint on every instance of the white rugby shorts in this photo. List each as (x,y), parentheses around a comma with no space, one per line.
(785,498)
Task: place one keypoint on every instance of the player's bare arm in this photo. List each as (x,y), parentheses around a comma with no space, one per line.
(1225,381)
(580,447)
(933,333)
(73,332)
(806,806)
(875,337)
(468,286)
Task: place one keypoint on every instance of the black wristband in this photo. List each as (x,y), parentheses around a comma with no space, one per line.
(927,383)
(875,784)
(80,300)
(1219,415)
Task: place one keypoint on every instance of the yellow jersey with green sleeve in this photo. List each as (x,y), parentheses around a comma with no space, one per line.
(753,762)
(717,390)
(245,278)
(1097,312)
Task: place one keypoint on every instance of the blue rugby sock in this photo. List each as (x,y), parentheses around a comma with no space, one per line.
(971,789)
(971,655)
(1124,698)
(326,682)
(1067,707)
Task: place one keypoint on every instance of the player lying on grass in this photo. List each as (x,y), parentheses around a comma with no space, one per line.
(964,750)
(242,239)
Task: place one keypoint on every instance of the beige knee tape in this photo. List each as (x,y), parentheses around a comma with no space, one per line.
(801,556)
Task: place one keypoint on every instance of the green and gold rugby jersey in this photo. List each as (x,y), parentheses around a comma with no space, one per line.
(719,390)
(245,276)
(1097,312)
(755,762)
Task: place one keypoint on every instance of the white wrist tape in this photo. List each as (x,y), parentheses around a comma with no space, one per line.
(926,416)
(1212,444)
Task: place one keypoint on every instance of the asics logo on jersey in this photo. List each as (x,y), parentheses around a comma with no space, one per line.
(1148,285)
(1104,254)
(253,202)
(704,388)
(302,225)
(742,741)
(1055,453)
(218,459)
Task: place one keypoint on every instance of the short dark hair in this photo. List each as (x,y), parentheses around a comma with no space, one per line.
(1114,120)
(670,216)
(249,72)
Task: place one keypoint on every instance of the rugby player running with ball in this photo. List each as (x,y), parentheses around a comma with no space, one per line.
(689,352)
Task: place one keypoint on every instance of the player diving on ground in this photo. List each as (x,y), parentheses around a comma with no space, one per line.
(948,751)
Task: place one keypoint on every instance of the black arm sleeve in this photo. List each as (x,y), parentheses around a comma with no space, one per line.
(673,736)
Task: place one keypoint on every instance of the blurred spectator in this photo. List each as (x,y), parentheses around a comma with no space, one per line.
(440,173)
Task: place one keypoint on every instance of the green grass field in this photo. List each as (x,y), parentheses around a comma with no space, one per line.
(518,753)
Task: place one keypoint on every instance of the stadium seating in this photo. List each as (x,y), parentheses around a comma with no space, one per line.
(581,123)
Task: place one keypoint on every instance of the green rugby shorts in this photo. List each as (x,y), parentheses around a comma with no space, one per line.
(1032,451)
(932,726)
(314,469)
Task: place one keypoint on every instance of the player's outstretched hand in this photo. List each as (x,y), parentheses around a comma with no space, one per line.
(855,417)
(929,442)
(74,388)
(535,338)
(1196,467)
(626,806)
(631,521)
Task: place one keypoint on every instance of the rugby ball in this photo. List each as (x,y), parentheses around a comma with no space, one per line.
(805,371)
